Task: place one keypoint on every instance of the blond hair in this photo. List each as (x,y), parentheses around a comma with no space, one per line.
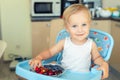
(74,9)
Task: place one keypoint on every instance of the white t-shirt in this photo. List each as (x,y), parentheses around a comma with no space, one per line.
(77,57)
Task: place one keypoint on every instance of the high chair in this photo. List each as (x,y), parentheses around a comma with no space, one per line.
(104,43)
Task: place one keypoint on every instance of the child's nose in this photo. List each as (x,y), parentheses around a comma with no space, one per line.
(80,29)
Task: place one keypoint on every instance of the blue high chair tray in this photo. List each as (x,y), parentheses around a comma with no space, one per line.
(104,43)
(23,69)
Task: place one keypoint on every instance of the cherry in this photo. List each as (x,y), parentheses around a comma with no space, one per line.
(37,69)
(49,70)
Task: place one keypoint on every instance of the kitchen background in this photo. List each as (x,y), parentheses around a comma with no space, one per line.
(26,36)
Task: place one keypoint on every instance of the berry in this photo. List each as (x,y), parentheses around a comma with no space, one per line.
(49,70)
(37,69)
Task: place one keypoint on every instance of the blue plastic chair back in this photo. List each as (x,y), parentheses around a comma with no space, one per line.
(103,40)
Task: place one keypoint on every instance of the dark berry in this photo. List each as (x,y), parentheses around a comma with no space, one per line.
(49,70)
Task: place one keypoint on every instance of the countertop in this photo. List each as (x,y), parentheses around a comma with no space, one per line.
(110,18)
(35,19)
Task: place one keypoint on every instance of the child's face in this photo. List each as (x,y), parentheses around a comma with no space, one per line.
(78,26)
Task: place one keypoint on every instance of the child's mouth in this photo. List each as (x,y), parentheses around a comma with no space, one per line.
(79,34)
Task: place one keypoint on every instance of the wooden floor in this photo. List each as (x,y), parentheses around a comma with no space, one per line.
(7,74)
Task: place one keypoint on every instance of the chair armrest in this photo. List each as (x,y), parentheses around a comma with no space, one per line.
(94,69)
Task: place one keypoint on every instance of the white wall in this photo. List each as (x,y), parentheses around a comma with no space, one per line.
(108,3)
(111,3)
(16,27)
(0,22)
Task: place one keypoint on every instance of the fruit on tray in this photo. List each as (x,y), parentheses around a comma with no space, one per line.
(49,69)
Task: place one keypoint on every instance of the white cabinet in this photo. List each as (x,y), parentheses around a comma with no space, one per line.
(115,57)
(104,25)
(40,36)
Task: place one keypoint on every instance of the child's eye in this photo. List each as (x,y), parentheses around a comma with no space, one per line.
(74,26)
(84,24)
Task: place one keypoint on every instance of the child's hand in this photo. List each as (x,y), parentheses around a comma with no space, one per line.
(104,67)
(35,62)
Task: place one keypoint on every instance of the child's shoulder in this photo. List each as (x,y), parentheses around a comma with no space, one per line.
(94,45)
(90,40)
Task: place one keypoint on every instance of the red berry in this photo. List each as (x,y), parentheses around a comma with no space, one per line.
(37,69)
(50,72)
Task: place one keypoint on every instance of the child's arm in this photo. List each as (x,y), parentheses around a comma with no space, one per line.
(96,57)
(46,54)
